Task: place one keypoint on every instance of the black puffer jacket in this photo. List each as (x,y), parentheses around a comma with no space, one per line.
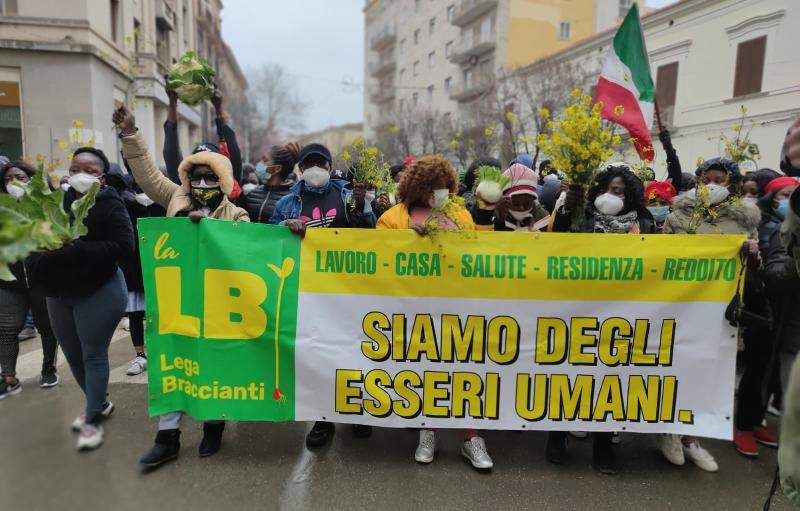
(783,287)
(132,266)
(21,270)
(562,221)
(83,266)
(260,203)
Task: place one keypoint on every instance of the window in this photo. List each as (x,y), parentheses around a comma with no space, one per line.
(468,78)
(402,45)
(451,11)
(402,75)
(487,29)
(416,67)
(8,7)
(416,36)
(115,20)
(447,82)
(432,26)
(186,25)
(448,48)
(666,89)
(10,118)
(430,93)
(565,30)
(137,30)
(624,6)
(162,46)
(466,39)
(415,98)
(431,59)
(749,67)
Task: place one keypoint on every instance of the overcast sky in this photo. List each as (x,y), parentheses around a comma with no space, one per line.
(320,43)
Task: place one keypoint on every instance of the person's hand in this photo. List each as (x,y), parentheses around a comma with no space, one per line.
(196,216)
(216,100)
(359,194)
(171,94)
(383,201)
(419,229)
(297,227)
(124,120)
(502,207)
(574,195)
(752,247)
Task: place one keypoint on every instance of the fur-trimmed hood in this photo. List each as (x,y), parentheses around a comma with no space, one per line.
(220,165)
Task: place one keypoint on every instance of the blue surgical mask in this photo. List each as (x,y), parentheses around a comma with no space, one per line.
(783,208)
(261,171)
(660,213)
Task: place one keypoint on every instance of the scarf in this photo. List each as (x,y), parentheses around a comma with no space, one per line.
(619,224)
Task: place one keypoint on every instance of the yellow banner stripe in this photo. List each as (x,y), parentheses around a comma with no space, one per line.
(521,266)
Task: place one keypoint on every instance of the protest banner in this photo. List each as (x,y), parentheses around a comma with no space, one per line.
(459,330)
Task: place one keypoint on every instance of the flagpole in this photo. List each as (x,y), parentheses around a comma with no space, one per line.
(658,116)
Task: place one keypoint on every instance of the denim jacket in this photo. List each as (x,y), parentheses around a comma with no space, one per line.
(290,206)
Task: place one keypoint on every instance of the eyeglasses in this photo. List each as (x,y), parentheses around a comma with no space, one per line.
(208,178)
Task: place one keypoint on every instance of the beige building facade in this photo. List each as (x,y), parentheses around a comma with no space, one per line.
(440,56)
(65,65)
(335,138)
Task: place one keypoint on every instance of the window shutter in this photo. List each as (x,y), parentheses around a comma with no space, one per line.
(666,90)
(749,67)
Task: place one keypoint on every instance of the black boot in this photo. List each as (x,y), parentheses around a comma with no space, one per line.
(556,450)
(320,434)
(168,443)
(212,438)
(362,431)
(604,460)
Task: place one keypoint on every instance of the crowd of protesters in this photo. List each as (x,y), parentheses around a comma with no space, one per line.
(78,294)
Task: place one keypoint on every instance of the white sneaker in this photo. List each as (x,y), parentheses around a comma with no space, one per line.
(579,434)
(138,366)
(700,457)
(427,447)
(80,421)
(90,437)
(672,449)
(474,450)
(125,323)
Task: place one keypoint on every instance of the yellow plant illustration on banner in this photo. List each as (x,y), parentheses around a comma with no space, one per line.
(283,273)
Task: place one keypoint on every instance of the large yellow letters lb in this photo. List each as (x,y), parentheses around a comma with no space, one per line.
(233,305)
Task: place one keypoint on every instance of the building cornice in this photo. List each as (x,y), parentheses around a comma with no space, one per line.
(755,23)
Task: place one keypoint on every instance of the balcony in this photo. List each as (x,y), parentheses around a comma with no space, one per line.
(381,68)
(465,93)
(465,52)
(384,38)
(383,95)
(470,10)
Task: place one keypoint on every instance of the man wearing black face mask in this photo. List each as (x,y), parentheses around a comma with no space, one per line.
(206,184)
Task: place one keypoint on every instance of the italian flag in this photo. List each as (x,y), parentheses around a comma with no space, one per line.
(626,87)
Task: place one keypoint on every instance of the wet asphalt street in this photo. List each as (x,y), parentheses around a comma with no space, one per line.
(267,466)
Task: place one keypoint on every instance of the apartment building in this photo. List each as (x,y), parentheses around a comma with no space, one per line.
(77,60)
(442,55)
(708,59)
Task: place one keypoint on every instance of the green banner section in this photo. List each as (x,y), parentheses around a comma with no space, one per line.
(221,318)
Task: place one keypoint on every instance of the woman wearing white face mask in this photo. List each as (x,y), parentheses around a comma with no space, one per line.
(423,196)
(518,210)
(19,296)
(615,205)
(714,207)
(86,292)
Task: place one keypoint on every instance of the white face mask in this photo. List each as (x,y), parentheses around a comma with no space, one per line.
(249,187)
(439,197)
(82,182)
(316,177)
(751,200)
(716,193)
(143,199)
(609,204)
(65,186)
(370,195)
(15,190)
(519,215)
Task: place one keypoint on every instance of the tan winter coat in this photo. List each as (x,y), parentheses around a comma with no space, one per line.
(739,218)
(175,198)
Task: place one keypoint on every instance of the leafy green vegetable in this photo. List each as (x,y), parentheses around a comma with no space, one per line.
(38,222)
(191,79)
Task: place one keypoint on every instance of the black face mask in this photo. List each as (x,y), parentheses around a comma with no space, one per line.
(206,198)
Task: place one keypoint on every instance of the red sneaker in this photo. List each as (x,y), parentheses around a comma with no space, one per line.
(745,443)
(763,436)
